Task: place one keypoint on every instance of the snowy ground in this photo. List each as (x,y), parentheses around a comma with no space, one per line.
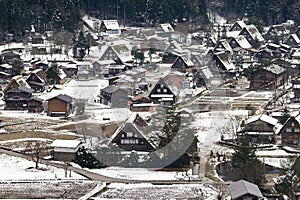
(13,168)
(143,174)
(210,125)
(149,191)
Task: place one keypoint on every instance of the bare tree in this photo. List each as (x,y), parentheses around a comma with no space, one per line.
(37,150)
(232,126)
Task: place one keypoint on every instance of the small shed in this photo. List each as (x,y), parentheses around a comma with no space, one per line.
(244,190)
(65,150)
(60,105)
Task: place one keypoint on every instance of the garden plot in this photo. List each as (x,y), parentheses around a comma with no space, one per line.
(149,191)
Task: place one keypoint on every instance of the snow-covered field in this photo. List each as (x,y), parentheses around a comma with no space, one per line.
(13,168)
(149,191)
(142,174)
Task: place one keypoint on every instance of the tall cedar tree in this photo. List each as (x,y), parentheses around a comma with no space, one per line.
(247,165)
(291,174)
(80,46)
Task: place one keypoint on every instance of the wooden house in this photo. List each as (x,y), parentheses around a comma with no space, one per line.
(110,27)
(16,82)
(166,90)
(237,26)
(270,77)
(17,98)
(259,129)
(114,70)
(133,136)
(37,38)
(58,76)
(244,190)
(120,54)
(169,58)
(239,42)
(125,81)
(97,68)
(110,54)
(7,68)
(140,103)
(35,105)
(277,33)
(115,97)
(292,40)
(41,65)
(224,64)
(60,105)
(290,132)
(164,30)
(7,56)
(65,150)
(70,70)
(264,54)
(84,71)
(252,35)
(37,80)
(296,89)
(223,45)
(174,46)
(181,64)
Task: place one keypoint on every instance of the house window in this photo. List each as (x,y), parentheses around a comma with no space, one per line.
(165,90)
(129,134)
(125,141)
(158,90)
(293,124)
(297,130)
(123,135)
(288,130)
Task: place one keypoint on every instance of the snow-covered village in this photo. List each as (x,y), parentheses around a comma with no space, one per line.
(172,110)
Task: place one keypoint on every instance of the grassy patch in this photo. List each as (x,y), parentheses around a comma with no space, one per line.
(37,134)
(69,127)
(210,172)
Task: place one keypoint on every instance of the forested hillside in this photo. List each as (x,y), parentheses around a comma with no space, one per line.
(268,11)
(16,16)
(149,11)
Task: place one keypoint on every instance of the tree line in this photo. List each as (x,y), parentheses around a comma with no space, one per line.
(17,16)
(268,11)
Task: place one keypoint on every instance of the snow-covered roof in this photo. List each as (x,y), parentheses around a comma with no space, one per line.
(243,42)
(7,66)
(263,117)
(253,31)
(207,72)
(241,23)
(131,123)
(275,69)
(225,61)
(242,187)
(111,24)
(66,143)
(91,22)
(167,27)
